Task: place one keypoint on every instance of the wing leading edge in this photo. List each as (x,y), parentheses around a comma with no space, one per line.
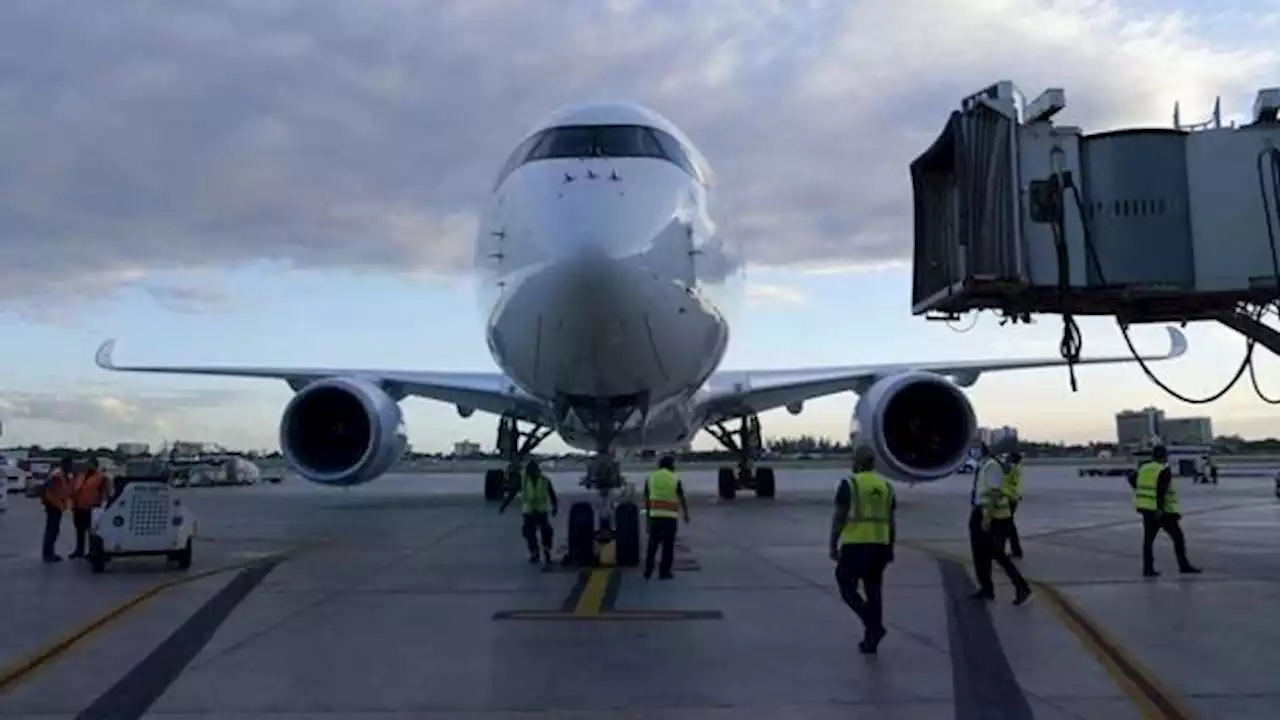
(742,392)
(487,392)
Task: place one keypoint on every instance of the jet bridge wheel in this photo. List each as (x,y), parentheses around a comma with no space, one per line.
(727,483)
(493,482)
(626,539)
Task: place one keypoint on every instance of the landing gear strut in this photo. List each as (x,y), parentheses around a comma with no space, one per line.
(745,442)
(515,445)
(614,519)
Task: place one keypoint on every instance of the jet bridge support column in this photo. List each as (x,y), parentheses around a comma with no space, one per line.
(1023,217)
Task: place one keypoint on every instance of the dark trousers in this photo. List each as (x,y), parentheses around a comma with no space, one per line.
(81,519)
(988,546)
(1015,544)
(1152,524)
(863,564)
(662,534)
(52,526)
(535,523)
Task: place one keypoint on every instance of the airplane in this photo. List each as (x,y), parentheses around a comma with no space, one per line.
(607,286)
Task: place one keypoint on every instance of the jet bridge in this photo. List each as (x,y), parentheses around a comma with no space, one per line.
(1020,216)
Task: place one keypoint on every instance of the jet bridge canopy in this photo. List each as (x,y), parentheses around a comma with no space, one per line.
(1021,216)
(1016,214)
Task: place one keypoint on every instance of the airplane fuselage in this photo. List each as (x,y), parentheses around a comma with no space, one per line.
(603,276)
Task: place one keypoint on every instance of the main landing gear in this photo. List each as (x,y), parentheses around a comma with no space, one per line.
(745,441)
(515,445)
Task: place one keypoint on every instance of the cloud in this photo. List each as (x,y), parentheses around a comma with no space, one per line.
(123,415)
(761,293)
(189,300)
(150,136)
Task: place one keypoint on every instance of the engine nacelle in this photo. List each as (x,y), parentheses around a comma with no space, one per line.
(342,431)
(919,424)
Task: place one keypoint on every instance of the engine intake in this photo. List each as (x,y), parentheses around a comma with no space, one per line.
(342,431)
(919,424)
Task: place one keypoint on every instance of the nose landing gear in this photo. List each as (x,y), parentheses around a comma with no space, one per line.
(605,531)
(746,442)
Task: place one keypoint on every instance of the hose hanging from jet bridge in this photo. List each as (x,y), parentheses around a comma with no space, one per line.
(1072,342)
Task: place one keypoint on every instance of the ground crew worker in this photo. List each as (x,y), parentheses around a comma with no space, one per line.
(1155,497)
(1013,488)
(863,530)
(537,498)
(664,505)
(989,529)
(55,495)
(90,490)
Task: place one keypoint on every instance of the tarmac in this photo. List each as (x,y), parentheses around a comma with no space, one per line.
(411,597)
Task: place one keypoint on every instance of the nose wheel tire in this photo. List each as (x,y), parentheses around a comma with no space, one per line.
(581,532)
(627,534)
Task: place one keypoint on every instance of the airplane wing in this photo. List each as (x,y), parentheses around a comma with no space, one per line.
(740,392)
(488,392)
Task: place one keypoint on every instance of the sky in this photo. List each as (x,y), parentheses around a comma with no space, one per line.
(297,182)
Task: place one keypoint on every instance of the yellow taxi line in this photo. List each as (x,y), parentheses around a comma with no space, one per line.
(1148,694)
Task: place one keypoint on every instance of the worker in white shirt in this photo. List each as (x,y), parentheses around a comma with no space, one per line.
(989,527)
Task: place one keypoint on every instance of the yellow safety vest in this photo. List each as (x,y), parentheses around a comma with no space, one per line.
(1144,491)
(995,501)
(870,503)
(1012,484)
(663,500)
(535,495)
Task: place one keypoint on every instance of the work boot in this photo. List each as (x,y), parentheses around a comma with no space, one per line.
(1021,596)
(871,641)
(1189,569)
(533,558)
(1150,573)
(546,557)
(53,558)
(984,595)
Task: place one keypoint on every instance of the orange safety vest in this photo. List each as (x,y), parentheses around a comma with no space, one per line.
(88,490)
(58,490)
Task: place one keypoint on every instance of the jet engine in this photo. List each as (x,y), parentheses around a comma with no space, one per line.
(342,431)
(919,424)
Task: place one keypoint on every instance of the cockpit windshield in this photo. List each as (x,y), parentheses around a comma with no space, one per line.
(601,141)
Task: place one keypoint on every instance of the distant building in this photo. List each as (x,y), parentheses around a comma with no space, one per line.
(466,448)
(132,449)
(1137,427)
(999,435)
(1187,431)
